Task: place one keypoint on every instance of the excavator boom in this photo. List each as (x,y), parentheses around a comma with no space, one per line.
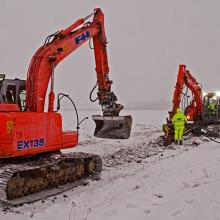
(185,78)
(55,49)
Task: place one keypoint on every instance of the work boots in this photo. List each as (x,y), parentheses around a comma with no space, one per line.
(179,142)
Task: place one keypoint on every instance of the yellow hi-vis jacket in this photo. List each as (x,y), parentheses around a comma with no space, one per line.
(179,119)
(212,106)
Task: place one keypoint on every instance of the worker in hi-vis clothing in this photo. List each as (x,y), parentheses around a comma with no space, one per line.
(179,120)
(212,107)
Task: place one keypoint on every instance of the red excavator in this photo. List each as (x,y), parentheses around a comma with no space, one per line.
(31,139)
(197,110)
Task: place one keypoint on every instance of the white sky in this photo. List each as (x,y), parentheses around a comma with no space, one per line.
(148,39)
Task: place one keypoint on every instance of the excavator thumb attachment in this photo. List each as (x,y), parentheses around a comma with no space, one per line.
(112,127)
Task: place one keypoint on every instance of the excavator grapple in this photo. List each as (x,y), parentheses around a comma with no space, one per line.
(112,127)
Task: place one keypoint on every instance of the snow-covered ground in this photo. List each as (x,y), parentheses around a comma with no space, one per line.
(140,180)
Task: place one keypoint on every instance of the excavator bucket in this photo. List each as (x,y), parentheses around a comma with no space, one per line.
(112,127)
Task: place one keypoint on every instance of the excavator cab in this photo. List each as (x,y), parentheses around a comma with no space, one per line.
(12,91)
(211,107)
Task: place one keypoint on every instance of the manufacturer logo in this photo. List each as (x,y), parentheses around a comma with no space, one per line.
(27,144)
(82,37)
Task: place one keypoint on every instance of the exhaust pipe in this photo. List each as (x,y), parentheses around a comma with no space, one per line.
(112,127)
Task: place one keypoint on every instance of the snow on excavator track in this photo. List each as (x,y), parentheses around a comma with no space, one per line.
(29,180)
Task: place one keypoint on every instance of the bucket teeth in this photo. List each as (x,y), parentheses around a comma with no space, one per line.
(112,127)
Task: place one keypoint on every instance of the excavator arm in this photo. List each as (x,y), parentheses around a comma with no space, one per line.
(57,47)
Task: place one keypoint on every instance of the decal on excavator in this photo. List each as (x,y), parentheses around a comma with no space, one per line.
(9,127)
(82,37)
(30,144)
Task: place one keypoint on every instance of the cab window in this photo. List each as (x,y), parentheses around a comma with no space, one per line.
(11,94)
(22,99)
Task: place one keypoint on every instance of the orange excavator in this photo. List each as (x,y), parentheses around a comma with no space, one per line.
(197,110)
(31,139)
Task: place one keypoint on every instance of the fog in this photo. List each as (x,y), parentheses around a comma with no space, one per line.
(147,40)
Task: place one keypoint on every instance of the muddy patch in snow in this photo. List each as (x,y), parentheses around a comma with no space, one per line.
(139,152)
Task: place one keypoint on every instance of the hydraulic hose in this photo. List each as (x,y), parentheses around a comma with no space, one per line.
(90,94)
(59,97)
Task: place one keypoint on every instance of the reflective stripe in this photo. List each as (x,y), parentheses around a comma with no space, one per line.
(179,119)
